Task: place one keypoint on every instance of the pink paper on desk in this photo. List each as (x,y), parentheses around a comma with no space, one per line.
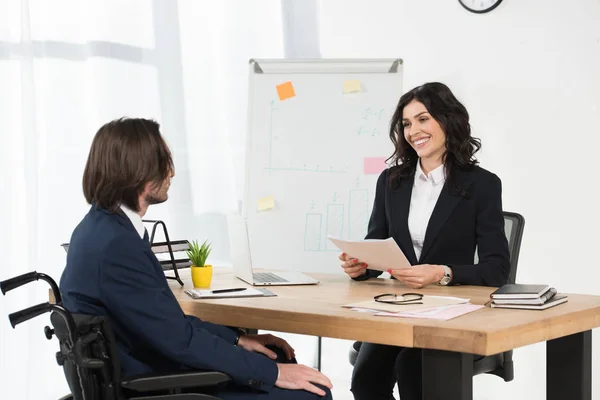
(441,313)
(374,165)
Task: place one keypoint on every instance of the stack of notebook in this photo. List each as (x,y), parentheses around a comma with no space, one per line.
(531,297)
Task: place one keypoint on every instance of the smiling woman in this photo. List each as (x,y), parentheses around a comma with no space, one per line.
(424,134)
(439,206)
(436,130)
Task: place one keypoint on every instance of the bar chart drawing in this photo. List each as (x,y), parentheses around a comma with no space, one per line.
(312,232)
(334,221)
(358,213)
(335,224)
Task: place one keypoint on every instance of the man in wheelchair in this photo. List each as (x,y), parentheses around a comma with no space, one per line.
(112,275)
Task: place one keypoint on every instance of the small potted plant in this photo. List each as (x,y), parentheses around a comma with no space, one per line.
(201,272)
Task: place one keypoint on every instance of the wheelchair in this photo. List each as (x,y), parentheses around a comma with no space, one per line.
(88,356)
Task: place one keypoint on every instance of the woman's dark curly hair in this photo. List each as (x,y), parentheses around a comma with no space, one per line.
(453,118)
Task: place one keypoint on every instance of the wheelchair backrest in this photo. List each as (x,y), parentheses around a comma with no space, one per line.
(88,357)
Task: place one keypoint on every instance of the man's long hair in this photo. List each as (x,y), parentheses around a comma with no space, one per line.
(126,154)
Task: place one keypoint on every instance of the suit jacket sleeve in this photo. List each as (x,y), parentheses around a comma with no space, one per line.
(135,293)
(222,331)
(378,225)
(492,246)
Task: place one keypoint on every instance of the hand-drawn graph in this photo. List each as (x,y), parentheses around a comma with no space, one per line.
(357,217)
(312,232)
(335,223)
(300,143)
(358,213)
(272,166)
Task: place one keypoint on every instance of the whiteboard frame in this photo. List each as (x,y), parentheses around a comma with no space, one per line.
(325,65)
(317,66)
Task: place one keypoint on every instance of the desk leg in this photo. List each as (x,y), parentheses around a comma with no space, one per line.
(447,375)
(319,351)
(569,367)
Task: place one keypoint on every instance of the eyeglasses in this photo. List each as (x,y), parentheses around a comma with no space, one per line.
(399,299)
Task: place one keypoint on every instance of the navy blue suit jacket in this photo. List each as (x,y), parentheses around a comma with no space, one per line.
(113,272)
(458,225)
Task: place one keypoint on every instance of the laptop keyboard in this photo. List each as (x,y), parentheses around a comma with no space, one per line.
(264,277)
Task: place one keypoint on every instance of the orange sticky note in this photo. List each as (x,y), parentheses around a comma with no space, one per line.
(374,165)
(285,91)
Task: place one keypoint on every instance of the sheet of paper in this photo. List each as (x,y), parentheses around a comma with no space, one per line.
(285,91)
(364,310)
(178,255)
(379,254)
(428,302)
(207,293)
(374,165)
(443,313)
(352,86)
(266,203)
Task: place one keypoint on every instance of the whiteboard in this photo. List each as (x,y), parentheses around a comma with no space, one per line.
(317,154)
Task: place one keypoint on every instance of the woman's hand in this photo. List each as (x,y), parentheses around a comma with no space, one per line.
(352,267)
(418,276)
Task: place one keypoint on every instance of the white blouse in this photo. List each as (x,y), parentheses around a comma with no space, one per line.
(425,194)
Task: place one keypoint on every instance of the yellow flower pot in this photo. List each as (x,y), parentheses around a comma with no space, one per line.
(202,276)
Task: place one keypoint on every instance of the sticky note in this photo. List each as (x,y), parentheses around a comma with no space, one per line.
(374,165)
(285,91)
(266,203)
(352,86)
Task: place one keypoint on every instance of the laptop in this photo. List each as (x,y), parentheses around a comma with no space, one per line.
(242,261)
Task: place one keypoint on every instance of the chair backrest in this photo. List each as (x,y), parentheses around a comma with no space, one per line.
(514,225)
(91,366)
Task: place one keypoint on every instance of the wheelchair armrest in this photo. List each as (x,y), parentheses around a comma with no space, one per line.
(183,379)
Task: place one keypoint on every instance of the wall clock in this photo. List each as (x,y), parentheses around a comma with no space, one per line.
(480,6)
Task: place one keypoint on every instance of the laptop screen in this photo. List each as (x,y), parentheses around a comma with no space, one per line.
(240,246)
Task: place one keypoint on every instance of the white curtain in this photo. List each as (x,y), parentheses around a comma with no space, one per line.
(67,67)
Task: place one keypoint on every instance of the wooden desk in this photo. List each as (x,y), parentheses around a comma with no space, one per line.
(448,345)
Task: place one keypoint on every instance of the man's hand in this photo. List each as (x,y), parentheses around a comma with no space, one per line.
(419,275)
(257,343)
(301,377)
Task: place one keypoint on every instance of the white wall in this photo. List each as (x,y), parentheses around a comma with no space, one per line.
(62,75)
(528,74)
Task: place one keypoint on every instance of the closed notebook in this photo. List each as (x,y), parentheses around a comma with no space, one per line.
(540,300)
(520,291)
(556,300)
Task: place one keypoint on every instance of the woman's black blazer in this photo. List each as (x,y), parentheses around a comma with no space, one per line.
(460,223)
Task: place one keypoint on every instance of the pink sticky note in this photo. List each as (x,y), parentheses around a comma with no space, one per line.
(374,165)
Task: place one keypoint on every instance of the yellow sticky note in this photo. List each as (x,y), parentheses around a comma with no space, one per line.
(266,203)
(285,91)
(352,86)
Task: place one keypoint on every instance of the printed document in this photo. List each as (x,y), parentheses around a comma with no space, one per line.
(378,254)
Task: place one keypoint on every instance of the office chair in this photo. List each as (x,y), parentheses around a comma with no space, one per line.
(498,364)
(88,355)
